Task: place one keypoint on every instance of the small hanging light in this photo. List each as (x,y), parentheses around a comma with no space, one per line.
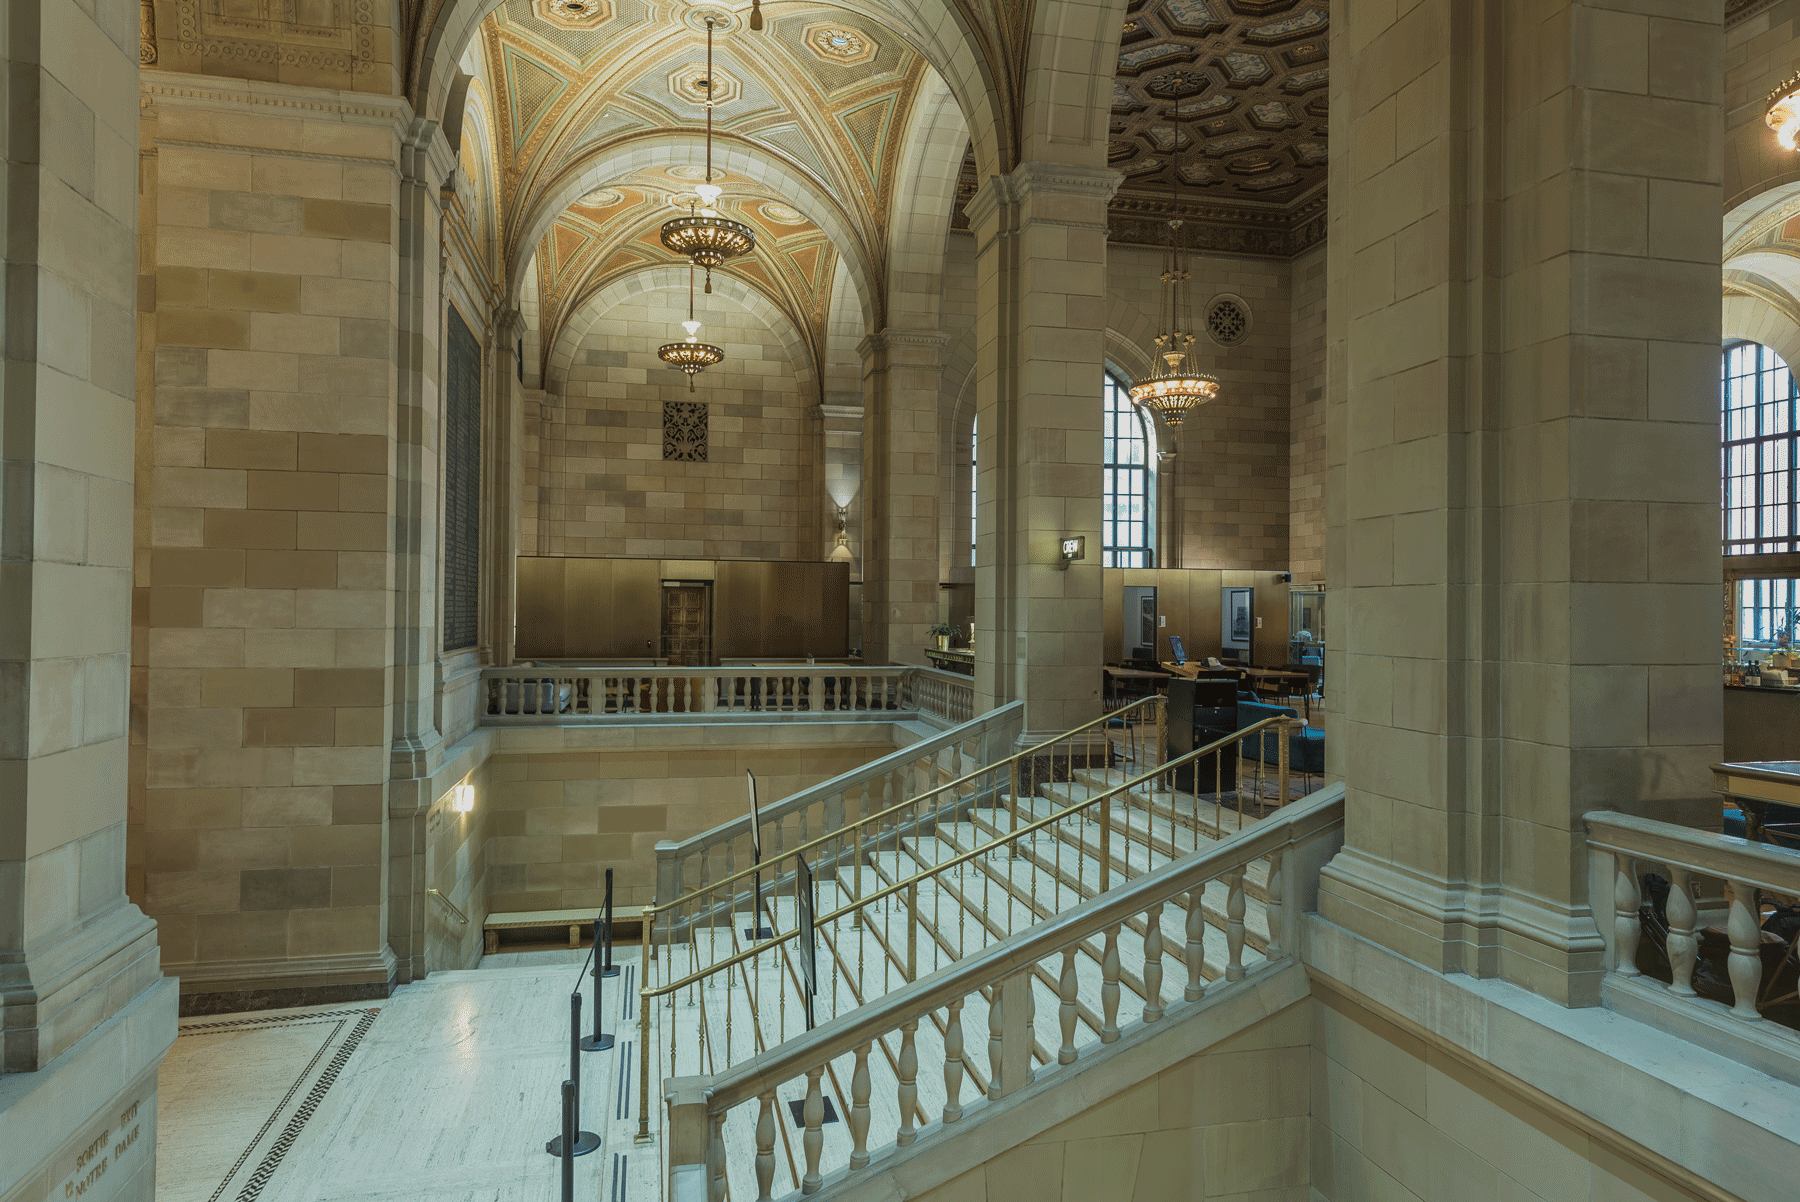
(690,355)
(1175,390)
(703,237)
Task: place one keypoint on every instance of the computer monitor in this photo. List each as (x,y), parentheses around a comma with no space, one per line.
(1175,649)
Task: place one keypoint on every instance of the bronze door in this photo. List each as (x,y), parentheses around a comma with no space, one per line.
(687,626)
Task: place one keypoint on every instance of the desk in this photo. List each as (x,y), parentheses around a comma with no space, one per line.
(1116,675)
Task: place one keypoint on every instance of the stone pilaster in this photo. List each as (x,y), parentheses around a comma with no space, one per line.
(900,454)
(85,1014)
(1522,425)
(1040,236)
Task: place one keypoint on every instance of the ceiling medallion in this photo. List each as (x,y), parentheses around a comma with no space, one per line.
(573,14)
(602,198)
(781,214)
(696,19)
(690,355)
(835,44)
(1176,390)
(687,83)
(703,237)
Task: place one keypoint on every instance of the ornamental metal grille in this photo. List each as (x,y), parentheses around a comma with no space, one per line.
(684,431)
(1227,320)
(462,485)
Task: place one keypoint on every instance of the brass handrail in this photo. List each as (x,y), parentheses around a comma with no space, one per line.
(943,865)
(909,804)
(460,916)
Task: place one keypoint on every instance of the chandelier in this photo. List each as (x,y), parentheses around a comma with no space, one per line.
(703,237)
(690,355)
(1176,389)
(1784,113)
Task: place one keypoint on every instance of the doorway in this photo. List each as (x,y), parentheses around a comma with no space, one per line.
(687,623)
(1138,638)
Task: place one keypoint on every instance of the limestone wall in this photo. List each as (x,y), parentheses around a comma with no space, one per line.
(567,809)
(603,486)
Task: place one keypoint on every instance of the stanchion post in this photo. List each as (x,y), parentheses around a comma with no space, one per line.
(569,1123)
(584,1141)
(611,969)
(599,1041)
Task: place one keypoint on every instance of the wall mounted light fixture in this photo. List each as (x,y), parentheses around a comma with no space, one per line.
(462,798)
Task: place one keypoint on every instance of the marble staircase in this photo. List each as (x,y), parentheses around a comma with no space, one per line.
(926,940)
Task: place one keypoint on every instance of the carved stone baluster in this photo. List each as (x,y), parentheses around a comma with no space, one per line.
(765,1147)
(1746,954)
(953,1062)
(1626,928)
(1234,924)
(1109,987)
(909,1083)
(1273,907)
(1067,989)
(996,1041)
(813,1113)
(1682,945)
(1153,967)
(859,1109)
(1196,944)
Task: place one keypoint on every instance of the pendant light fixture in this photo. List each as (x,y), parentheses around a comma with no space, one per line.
(1176,389)
(690,355)
(703,237)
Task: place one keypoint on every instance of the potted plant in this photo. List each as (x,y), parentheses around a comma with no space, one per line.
(942,632)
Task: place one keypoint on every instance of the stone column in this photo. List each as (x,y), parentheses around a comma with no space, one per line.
(85,1013)
(1523,340)
(900,453)
(1040,235)
(502,439)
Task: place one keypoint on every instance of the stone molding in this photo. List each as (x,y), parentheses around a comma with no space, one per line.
(885,341)
(199,91)
(356,968)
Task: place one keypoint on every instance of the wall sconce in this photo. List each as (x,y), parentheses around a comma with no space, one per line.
(841,553)
(462,798)
(1072,549)
(1784,112)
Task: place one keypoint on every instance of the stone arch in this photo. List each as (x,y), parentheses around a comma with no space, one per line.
(665,148)
(930,161)
(1759,320)
(671,277)
(1070,65)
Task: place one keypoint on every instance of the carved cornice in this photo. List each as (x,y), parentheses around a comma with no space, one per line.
(1743,10)
(171,87)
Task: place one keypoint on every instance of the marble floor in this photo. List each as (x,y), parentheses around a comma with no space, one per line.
(445,1092)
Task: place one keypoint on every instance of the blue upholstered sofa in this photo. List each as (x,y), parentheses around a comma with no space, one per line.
(1306,746)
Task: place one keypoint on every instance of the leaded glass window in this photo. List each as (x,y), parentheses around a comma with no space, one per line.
(1127,531)
(1757,418)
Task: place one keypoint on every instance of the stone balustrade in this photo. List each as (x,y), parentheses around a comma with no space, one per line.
(549,694)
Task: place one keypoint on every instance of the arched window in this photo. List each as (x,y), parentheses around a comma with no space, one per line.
(1127,526)
(1758,422)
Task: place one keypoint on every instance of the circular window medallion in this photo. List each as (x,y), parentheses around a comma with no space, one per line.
(1227,320)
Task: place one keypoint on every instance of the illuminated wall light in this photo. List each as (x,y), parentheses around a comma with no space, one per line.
(462,798)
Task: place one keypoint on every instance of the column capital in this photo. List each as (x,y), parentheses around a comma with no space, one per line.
(916,344)
(1036,183)
(841,413)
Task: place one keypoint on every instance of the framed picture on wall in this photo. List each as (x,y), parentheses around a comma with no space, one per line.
(1237,620)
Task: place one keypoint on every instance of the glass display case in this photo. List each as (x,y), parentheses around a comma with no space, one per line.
(1306,626)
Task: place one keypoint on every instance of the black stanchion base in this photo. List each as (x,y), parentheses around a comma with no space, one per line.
(611,970)
(585,1142)
(758,933)
(595,1043)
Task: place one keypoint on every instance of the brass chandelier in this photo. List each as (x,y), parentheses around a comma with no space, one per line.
(1177,389)
(690,355)
(703,237)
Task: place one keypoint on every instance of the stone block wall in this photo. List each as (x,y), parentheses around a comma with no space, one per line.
(263,601)
(602,484)
(1306,418)
(1231,467)
(561,813)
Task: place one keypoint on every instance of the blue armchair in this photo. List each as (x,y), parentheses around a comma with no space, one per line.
(1306,746)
